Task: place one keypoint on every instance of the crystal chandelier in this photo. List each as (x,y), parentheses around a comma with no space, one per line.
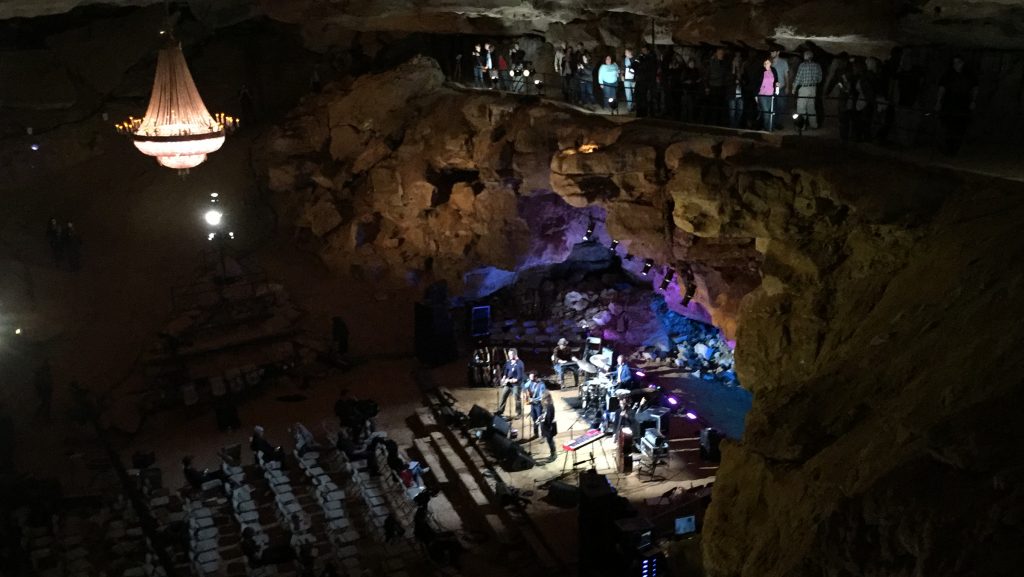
(177,128)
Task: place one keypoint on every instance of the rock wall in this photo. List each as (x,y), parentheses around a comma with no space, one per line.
(399,176)
(880,351)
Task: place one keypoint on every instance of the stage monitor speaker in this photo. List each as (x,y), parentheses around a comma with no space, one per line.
(500,425)
(479,417)
(480,321)
(563,494)
(519,460)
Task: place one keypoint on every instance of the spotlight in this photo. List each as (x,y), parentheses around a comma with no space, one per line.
(614,246)
(647,267)
(231,235)
(214,196)
(590,232)
(800,121)
(641,374)
(213,217)
(691,416)
(17,331)
(691,290)
(34,146)
(526,72)
(672,401)
(536,81)
(210,236)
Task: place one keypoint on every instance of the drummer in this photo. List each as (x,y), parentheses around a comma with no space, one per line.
(623,377)
(562,361)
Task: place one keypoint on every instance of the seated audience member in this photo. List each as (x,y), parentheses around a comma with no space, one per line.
(260,554)
(304,440)
(195,477)
(259,444)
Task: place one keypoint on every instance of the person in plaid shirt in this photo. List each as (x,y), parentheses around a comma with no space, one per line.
(808,77)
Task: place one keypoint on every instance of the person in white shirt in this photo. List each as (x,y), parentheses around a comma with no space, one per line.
(628,78)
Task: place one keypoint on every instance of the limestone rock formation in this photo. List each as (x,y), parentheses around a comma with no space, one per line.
(397,172)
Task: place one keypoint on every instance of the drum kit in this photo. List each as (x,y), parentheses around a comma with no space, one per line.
(601,396)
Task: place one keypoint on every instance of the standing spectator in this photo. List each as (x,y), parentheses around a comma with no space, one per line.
(808,77)
(737,69)
(887,97)
(750,85)
(489,65)
(72,245)
(766,94)
(608,77)
(690,85)
(517,60)
(559,57)
(781,66)
(718,89)
(958,93)
(842,86)
(628,78)
(503,78)
(672,83)
(646,81)
(478,66)
(868,91)
(585,80)
(53,238)
(567,73)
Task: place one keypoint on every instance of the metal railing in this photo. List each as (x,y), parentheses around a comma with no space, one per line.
(877,121)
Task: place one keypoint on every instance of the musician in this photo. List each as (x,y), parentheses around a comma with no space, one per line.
(548,429)
(512,382)
(563,361)
(623,377)
(534,392)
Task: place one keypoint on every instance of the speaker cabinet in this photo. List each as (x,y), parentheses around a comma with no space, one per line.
(479,417)
(563,494)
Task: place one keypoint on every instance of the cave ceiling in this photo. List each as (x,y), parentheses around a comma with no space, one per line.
(864,26)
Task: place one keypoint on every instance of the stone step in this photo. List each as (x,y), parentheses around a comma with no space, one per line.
(426,451)
(426,417)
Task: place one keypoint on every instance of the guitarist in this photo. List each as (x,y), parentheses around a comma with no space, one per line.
(534,392)
(512,382)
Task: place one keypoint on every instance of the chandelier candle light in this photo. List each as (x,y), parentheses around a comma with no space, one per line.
(177,128)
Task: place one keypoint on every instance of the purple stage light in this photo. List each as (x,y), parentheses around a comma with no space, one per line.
(641,374)
(672,401)
(691,416)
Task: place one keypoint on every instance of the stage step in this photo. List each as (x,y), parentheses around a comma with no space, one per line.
(430,457)
(426,417)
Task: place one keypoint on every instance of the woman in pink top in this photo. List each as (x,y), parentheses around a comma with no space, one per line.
(766,94)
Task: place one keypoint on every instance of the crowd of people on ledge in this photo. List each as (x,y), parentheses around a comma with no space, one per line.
(740,88)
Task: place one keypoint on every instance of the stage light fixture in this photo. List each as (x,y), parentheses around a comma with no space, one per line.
(668,279)
(210,236)
(672,401)
(526,72)
(213,217)
(614,246)
(691,416)
(647,267)
(17,331)
(691,290)
(34,146)
(664,283)
(641,374)
(590,232)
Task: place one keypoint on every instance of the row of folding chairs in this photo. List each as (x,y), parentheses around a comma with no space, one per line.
(331,498)
(204,553)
